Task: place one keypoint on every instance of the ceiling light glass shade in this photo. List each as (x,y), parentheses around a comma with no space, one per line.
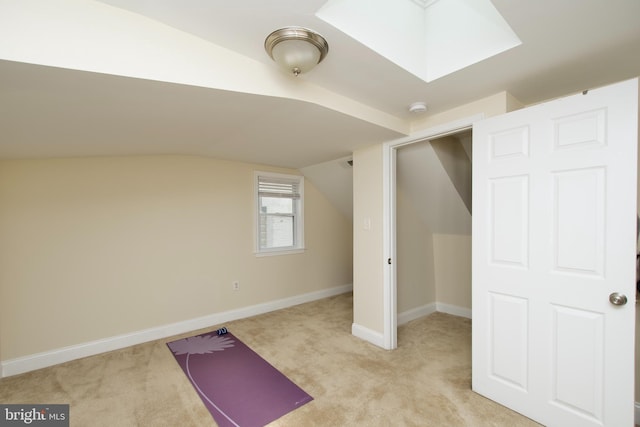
(296,49)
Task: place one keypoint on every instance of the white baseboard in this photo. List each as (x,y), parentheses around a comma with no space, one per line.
(425,310)
(453,309)
(416,313)
(375,338)
(65,354)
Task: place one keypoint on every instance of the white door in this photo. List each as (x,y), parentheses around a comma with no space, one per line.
(554,235)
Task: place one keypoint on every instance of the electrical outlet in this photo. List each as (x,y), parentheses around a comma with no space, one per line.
(236,285)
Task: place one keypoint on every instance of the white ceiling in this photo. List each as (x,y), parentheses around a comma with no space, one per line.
(567,46)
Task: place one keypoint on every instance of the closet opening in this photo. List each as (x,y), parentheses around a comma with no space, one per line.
(426,217)
(433,226)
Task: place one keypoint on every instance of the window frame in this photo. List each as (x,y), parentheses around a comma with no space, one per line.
(298,215)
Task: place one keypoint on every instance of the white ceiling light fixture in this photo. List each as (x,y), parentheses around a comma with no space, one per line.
(296,49)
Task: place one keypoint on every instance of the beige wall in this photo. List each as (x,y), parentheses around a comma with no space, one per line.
(368,253)
(94,248)
(431,267)
(452,262)
(415,283)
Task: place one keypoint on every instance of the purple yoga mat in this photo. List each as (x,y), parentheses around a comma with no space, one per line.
(238,386)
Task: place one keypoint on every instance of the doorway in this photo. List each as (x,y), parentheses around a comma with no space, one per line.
(433,226)
(390,197)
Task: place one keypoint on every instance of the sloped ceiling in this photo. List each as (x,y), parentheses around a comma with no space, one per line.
(53,112)
(335,179)
(421,176)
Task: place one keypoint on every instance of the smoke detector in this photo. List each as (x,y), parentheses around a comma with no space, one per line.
(418,107)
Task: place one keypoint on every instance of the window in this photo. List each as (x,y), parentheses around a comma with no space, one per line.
(279,213)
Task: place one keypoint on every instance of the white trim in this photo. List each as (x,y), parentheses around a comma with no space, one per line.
(273,252)
(436,131)
(375,338)
(427,309)
(416,313)
(390,314)
(389,304)
(453,309)
(65,354)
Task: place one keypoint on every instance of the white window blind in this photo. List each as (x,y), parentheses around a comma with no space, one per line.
(273,187)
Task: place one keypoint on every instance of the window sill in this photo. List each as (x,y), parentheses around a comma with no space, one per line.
(280,252)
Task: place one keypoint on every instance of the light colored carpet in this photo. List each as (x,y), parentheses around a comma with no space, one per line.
(425,382)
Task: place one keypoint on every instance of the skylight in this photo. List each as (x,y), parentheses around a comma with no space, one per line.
(429,38)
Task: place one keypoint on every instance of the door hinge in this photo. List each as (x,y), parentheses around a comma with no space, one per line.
(389,261)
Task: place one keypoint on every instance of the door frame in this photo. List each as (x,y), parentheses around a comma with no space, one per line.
(389,150)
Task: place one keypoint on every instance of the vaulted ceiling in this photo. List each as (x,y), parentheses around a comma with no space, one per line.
(126,77)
